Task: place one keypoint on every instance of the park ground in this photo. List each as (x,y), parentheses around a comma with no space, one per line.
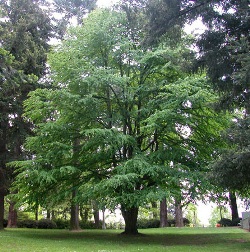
(162,239)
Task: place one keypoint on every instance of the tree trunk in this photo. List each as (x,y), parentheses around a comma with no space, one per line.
(12,218)
(3,152)
(103,219)
(74,213)
(2,193)
(163,213)
(178,215)
(233,205)
(53,216)
(36,210)
(48,215)
(130,217)
(96,214)
(84,213)
(154,209)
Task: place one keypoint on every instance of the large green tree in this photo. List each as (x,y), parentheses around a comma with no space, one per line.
(223,52)
(25,31)
(128,125)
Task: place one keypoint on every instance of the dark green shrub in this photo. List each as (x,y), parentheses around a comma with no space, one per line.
(62,223)
(5,223)
(46,224)
(145,223)
(236,222)
(27,224)
(90,225)
(186,222)
(171,222)
(224,222)
(115,225)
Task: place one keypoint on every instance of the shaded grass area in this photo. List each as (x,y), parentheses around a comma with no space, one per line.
(165,239)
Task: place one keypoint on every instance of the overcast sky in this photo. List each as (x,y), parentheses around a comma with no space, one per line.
(106,3)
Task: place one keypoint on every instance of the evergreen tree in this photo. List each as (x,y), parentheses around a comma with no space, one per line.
(25,31)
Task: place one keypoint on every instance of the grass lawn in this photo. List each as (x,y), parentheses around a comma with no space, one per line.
(164,239)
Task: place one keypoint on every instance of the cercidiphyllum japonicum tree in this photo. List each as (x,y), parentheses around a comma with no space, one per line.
(223,50)
(134,112)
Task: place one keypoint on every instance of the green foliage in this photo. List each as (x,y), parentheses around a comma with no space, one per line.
(148,223)
(41,224)
(230,171)
(27,224)
(62,223)
(73,8)
(5,223)
(191,215)
(217,214)
(46,224)
(225,222)
(113,128)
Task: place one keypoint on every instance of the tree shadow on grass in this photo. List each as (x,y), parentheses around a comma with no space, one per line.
(156,237)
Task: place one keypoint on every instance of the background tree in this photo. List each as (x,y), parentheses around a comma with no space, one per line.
(218,213)
(25,32)
(223,51)
(74,8)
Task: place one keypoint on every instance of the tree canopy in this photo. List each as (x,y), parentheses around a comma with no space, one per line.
(129,125)
(128,115)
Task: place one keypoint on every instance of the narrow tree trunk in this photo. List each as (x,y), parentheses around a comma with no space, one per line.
(53,216)
(154,209)
(233,205)
(163,213)
(178,215)
(12,218)
(130,217)
(74,213)
(48,215)
(2,194)
(96,214)
(103,219)
(3,151)
(84,213)
(36,211)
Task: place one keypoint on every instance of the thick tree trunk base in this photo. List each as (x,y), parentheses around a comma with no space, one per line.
(12,219)
(163,213)
(130,217)
(130,233)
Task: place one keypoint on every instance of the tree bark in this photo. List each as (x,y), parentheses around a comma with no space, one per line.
(12,218)
(163,213)
(74,213)
(3,152)
(103,219)
(48,215)
(130,217)
(2,194)
(36,210)
(96,214)
(154,209)
(178,215)
(233,205)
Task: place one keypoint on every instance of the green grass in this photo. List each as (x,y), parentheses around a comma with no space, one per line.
(166,239)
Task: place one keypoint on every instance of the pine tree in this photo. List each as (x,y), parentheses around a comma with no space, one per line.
(25,32)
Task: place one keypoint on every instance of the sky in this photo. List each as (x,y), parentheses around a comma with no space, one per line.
(106,3)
